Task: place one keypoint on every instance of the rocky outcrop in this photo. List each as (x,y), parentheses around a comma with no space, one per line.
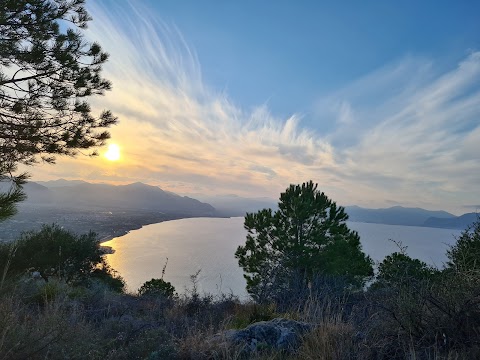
(277,334)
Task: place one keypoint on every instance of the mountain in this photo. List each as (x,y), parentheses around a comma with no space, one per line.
(60,182)
(38,193)
(139,196)
(84,196)
(458,222)
(107,210)
(396,215)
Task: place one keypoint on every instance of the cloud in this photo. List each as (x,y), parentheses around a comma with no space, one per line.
(422,140)
(408,131)
(476,208)
(170,121)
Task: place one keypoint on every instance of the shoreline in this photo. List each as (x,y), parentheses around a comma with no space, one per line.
(106,223)
(108,237)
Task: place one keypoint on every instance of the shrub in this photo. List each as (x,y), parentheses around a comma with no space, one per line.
(464,256)
(157,287)
(399,269)
(54,251)
(109,277)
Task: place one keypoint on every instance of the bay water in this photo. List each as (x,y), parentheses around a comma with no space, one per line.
(208,245)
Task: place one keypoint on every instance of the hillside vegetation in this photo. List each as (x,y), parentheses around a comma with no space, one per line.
(60,300)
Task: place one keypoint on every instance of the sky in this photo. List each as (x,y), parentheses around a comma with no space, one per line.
(378,102)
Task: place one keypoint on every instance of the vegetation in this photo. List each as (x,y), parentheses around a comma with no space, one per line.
(410,311)
(48,72)
(55,252)
(307,236)
(157,287)
(432,313)
(400,269)
(464,256)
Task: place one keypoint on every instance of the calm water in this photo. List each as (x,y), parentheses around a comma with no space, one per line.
(209,244)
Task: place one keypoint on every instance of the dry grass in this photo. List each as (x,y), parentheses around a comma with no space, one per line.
(329,341)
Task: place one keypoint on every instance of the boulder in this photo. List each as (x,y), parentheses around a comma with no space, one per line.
(277,334)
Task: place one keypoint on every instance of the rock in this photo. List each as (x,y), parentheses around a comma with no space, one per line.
(107,249)
(277,334)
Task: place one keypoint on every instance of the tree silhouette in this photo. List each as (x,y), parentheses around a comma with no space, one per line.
(48,72)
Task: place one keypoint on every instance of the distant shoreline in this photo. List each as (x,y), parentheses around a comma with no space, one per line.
(106,238)
(107,223)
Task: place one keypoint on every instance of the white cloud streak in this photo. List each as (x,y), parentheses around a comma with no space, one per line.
(407,132)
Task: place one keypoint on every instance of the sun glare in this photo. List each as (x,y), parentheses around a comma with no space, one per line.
(113,152)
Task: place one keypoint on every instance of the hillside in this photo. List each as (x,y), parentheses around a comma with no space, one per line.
(396,215)
(137,196)
(458,222)
(105,209)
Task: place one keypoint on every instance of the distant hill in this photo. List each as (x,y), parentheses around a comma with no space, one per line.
(396,215)
(107,210)
(38,193)
(84,195)
(233,205)
(78,194)
(61,182)
(458,222)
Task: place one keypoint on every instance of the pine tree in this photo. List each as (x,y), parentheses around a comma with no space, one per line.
(48,72)
(307,235)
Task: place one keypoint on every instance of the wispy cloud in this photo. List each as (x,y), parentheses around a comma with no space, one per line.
(407,132)
(421,138)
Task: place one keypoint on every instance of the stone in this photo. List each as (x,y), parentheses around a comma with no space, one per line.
(277,334)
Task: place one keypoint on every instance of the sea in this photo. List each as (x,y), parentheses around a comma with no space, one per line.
(201,251)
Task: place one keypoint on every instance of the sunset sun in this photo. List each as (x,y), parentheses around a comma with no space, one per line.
(113,152)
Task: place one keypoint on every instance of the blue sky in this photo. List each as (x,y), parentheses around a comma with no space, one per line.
(254,48)
(378,102)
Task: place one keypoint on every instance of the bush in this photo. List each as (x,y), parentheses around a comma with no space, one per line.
(109,277)
(54,251)
(157,287)
(414,310)
(464,256)
(399,269)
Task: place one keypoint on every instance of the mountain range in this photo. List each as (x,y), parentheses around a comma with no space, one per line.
(78,194)
(81,194)
(398,215)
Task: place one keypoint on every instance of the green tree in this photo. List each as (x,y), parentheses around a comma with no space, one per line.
(48,72)
(399,269)
(464,256)
(157,287)
(307,235)
(54,251)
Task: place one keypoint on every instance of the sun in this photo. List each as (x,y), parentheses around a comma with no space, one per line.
(113,152)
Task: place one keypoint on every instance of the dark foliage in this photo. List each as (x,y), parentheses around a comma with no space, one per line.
(157,287)
(53,251)
(464,256)
(307,235)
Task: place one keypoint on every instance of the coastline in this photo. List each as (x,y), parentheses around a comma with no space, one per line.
(119,233)
(107,223)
